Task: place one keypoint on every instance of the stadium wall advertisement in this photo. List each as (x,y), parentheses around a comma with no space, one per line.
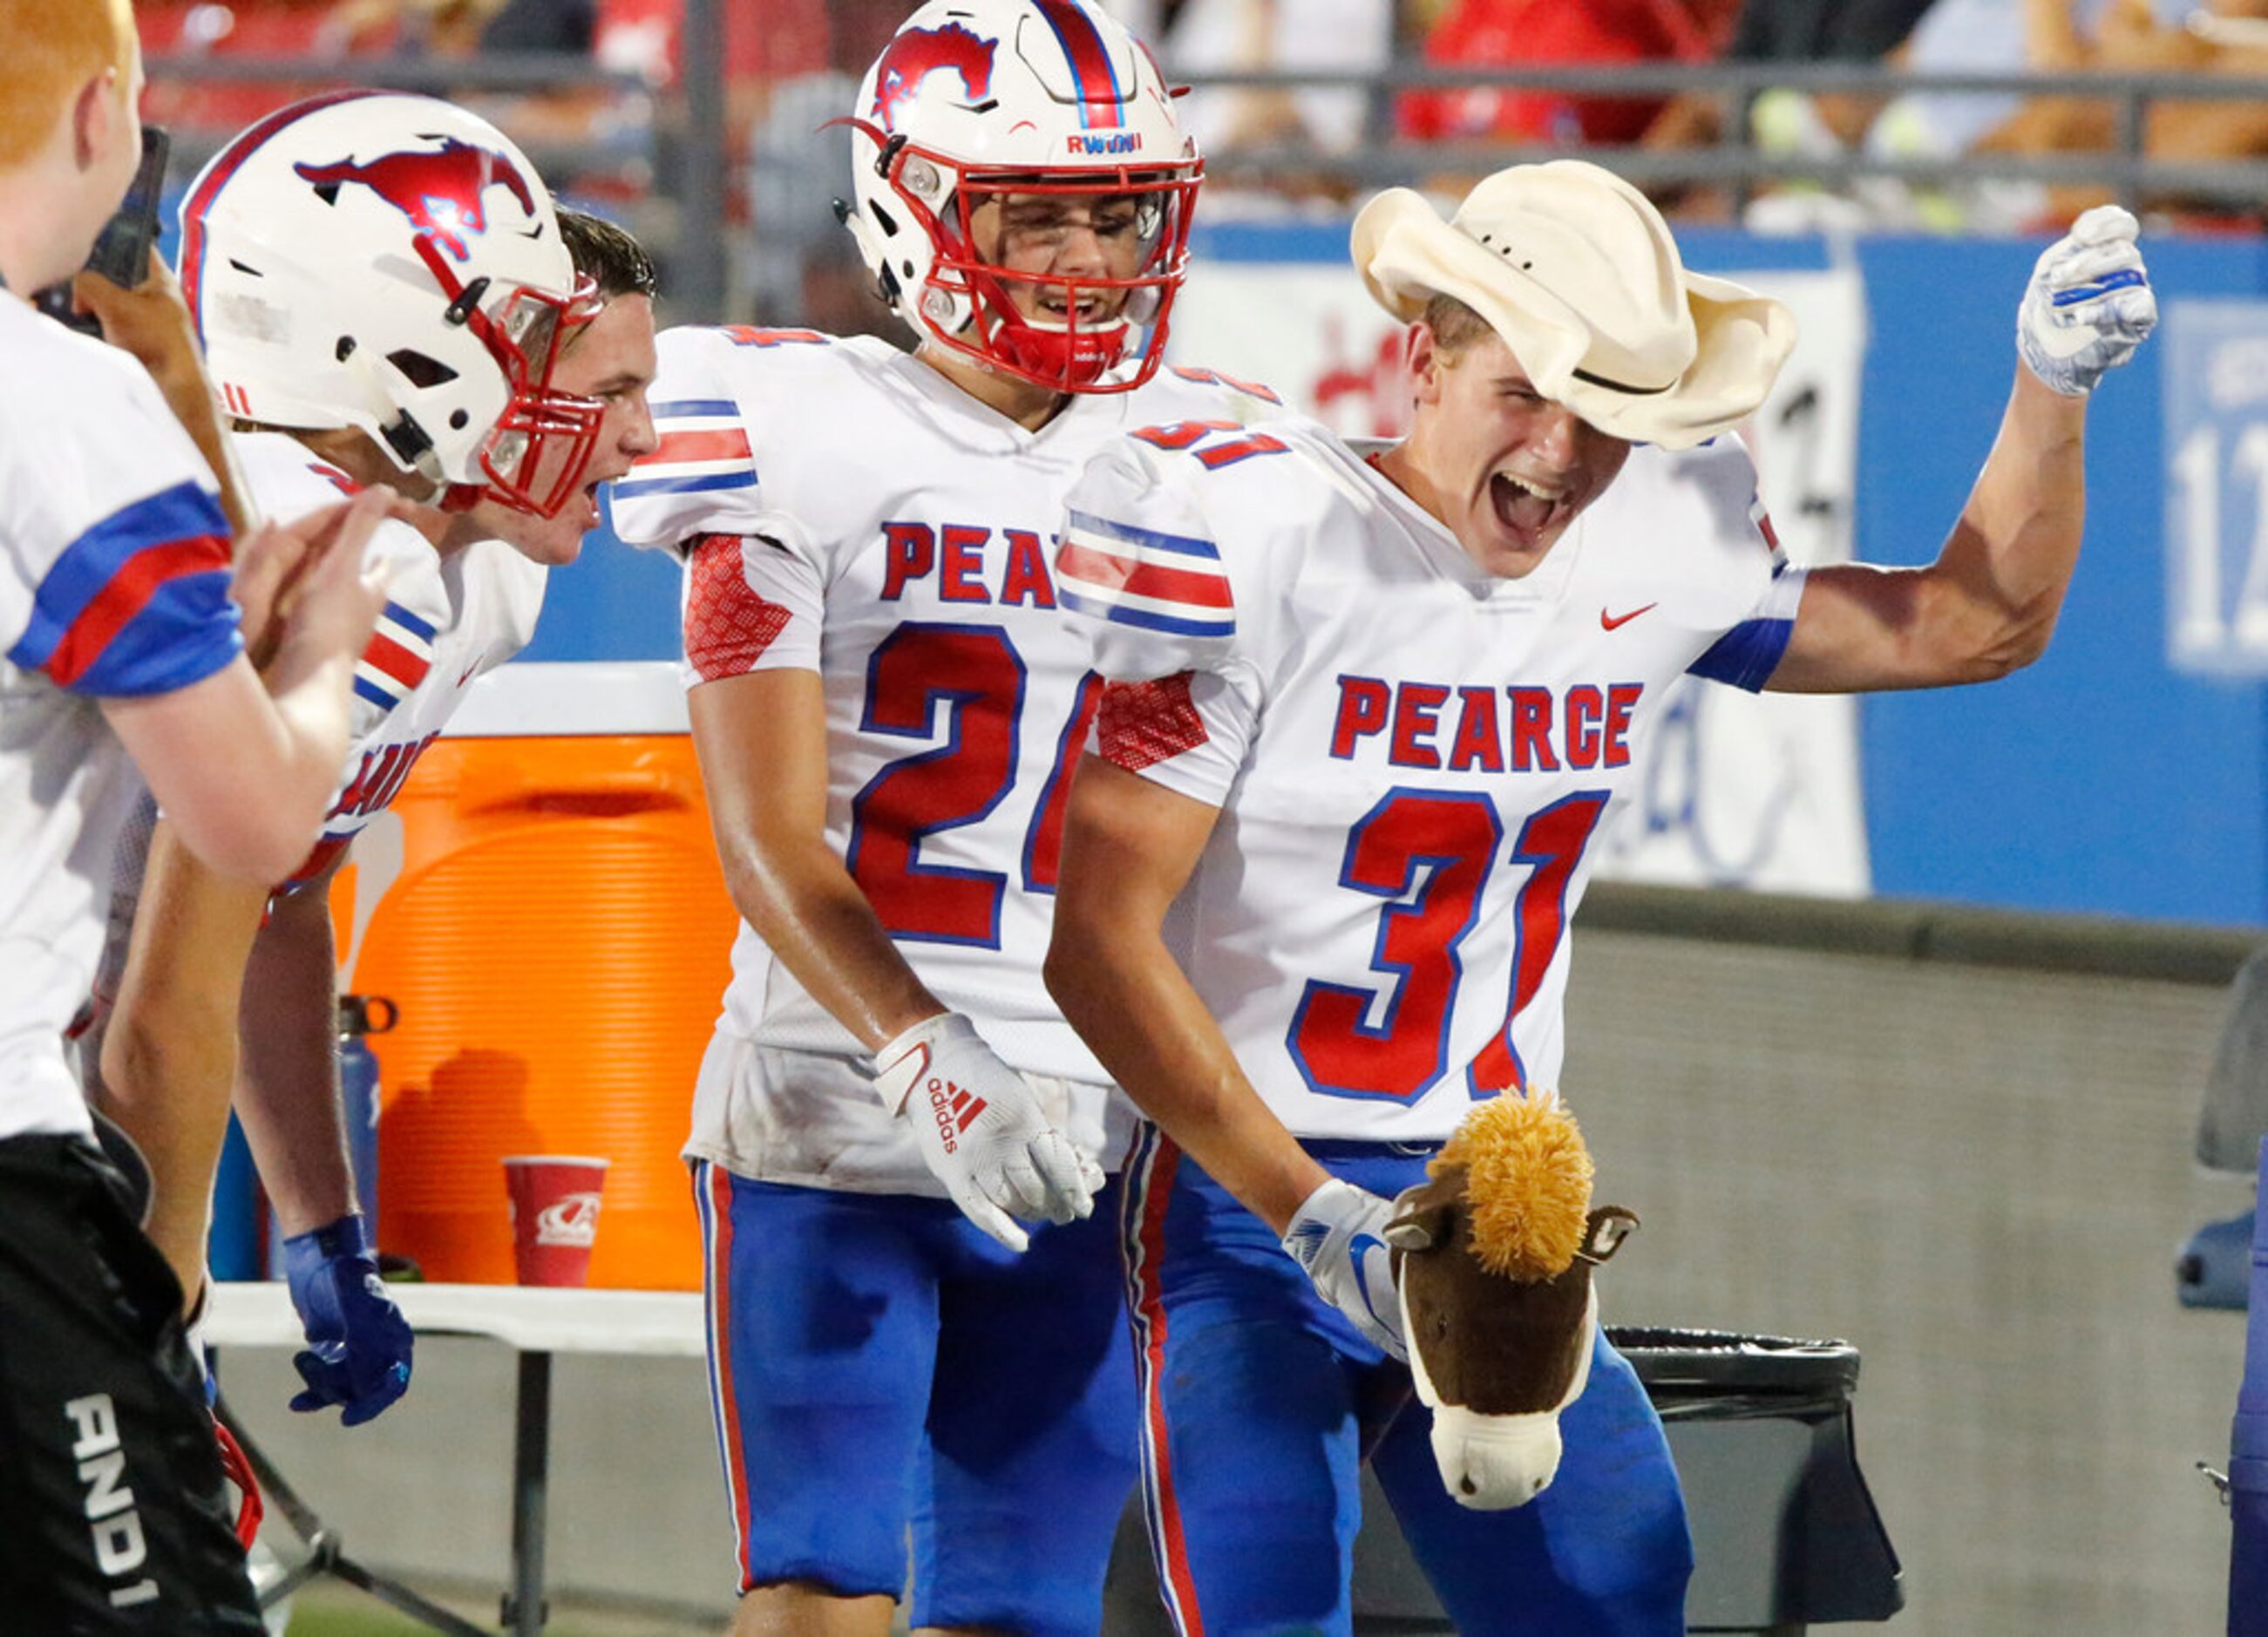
(2124,774)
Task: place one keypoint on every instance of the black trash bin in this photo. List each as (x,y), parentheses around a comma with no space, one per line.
(1784,1533)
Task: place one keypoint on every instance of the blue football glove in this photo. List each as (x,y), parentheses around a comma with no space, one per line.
(358,1344)
(2090,303)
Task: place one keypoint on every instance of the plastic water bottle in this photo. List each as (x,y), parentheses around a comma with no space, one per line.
(359,1017)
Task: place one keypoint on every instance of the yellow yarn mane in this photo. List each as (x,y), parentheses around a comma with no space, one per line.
(1528,1183)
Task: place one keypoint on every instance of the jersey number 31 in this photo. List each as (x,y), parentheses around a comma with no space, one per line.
(1429,854)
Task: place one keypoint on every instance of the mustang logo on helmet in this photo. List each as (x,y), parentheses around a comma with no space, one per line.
(915,54)
(439,189)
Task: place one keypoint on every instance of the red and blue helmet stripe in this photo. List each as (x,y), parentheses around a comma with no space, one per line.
(1100,94)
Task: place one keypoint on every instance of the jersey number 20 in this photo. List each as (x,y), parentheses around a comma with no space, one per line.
(976,675)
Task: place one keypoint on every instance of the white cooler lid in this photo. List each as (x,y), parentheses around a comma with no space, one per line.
(530,699)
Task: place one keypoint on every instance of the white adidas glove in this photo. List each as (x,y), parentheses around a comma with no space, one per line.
(982,1129)
(1339,1237)
(2089,303)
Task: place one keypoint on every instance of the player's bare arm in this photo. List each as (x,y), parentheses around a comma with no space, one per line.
(168,1060)
(224,1006)
(761,741)
(286,1090)
(1988,604)
(359,1347)
(169,1054)
(244,770)
(170,1064)
(1129,847)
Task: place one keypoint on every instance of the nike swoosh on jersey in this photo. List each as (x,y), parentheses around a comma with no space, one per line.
(1614,621)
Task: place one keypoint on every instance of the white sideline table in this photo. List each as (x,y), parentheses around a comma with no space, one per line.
(536,1323)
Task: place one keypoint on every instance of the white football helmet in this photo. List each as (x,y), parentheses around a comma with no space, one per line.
(393,263)
(975,99)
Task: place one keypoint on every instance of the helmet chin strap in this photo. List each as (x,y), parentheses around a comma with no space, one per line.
(1058,354)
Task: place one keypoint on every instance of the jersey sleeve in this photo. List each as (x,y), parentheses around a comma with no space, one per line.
(117,557)
(750,605)
(1751,647)
(702,476)
(289,483)
(1747,655)
(1187,732)
(1138,570)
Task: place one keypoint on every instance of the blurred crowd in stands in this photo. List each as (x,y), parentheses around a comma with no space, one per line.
(609,122)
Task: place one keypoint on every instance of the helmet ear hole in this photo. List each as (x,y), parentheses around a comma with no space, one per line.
(420,370)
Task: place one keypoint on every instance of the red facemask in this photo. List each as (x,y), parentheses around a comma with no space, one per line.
(534,459)
(1075,355)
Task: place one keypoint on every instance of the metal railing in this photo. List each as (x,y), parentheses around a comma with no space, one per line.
(1383,160)
(691,119)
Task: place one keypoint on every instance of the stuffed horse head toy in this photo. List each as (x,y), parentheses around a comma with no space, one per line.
(1496,1250)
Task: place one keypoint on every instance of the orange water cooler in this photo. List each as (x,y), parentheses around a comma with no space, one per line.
(543,905)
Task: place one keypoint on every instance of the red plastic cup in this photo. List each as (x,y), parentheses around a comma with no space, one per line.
(555,1215)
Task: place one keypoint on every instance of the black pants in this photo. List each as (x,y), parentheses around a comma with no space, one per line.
(113,1513)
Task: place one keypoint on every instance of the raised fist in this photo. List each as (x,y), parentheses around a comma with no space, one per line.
(2089,303)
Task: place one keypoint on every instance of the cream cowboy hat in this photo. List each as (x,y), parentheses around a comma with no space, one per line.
(1577,271)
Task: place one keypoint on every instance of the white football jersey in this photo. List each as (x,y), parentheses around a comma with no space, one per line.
(1412,758)
(846,509)
(114,583)
(447,621)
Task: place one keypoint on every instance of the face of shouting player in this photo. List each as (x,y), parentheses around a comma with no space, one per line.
(612,359)
(1504,467)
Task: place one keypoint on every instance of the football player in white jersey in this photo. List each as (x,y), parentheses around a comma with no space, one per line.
(121,653)
(886,702)
(493,565)
(409,232)
(1365,719)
